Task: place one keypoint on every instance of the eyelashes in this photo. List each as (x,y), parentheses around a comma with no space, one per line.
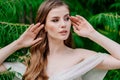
(67,19)
(57,20)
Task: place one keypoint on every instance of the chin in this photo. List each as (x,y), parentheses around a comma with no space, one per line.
(63,37)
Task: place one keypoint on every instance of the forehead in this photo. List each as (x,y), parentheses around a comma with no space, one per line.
(58,11)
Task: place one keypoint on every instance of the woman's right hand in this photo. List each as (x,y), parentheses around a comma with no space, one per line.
(27,39)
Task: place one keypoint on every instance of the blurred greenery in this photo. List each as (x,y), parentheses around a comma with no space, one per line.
(104,15)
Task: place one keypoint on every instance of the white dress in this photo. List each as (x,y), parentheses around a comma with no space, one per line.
(84,70)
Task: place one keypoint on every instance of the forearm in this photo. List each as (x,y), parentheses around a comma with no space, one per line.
(8,50)
(112,47)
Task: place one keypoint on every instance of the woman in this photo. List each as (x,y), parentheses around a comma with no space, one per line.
(52,55)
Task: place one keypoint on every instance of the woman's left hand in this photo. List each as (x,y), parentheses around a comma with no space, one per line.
(81,26)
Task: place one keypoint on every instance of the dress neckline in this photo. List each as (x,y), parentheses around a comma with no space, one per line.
(75,66)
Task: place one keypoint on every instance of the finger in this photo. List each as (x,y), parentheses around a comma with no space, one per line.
(30,26)
(75,23)
(39,28)
(80,19)
(37,40)
(35,27)
(75,30)
(75,26)
(75,20)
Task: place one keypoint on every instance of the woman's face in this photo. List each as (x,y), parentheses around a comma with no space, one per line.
(58,23)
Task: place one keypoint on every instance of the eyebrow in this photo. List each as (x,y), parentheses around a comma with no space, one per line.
(58,17)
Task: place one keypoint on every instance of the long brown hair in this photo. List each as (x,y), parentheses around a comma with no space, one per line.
(36,69)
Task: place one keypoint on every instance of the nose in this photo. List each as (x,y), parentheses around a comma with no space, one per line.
(63,24)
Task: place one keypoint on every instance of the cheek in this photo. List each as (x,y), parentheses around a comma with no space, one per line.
(69,25)
(51,28)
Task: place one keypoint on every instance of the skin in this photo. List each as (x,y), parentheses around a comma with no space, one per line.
(58,22)
(55,23)
(59,53)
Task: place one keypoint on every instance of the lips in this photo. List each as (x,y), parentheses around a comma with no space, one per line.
(63,32)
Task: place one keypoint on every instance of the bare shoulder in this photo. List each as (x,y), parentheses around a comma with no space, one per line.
(84,53)
(109,62)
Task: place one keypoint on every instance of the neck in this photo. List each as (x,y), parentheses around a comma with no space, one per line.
(56,46)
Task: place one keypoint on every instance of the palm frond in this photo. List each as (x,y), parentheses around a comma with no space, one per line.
(18,10)
(115,7)
(77,8)
(10,32)
(110,74)
(9,75)
(106,21)
(108,25)
(98,6)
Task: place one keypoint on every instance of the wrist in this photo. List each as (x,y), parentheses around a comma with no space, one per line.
(17,44)
(93,34)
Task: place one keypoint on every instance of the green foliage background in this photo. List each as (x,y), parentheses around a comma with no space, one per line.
(16,15)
